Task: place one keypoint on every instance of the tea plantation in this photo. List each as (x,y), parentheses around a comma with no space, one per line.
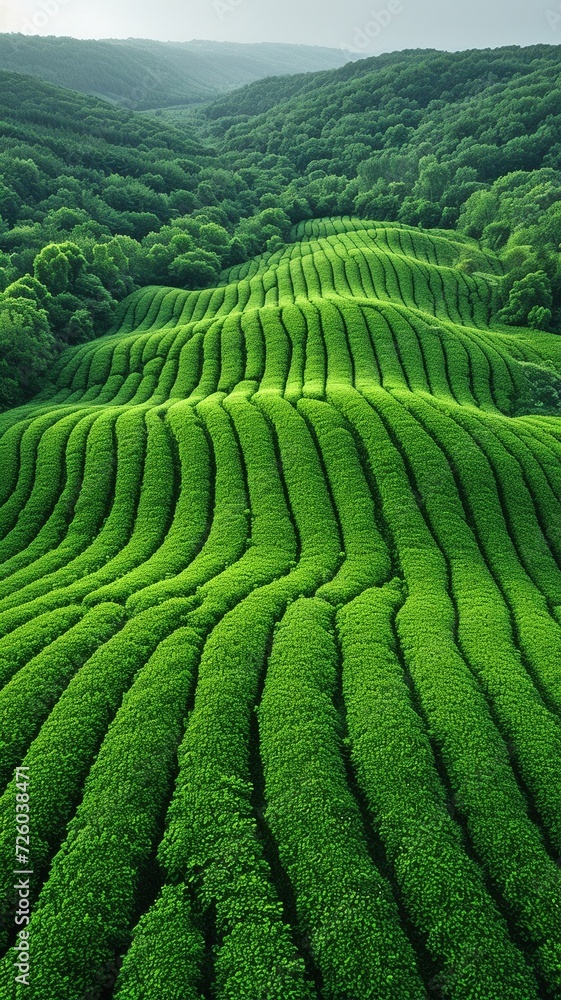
(280,638)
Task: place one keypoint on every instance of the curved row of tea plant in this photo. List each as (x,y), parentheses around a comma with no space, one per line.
(280,634)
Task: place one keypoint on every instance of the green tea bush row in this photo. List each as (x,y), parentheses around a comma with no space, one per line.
(28,698)
(315,372)
(339,361)
(210,373)
(271,548)
(411,358)
(298,280)
(443,890)
(542,453)
(49,431)
(78,577)
(536,874)
(365,364)
(232,368)
(499,377)
(254,346)
(210,837)
(43,928)
(309,498)
(108,844)
(188,526)
(60,469)
(257,293)
(27,641)
(434,338)
(10,447)
(474,755)
(367,560)
(99,370)
(277,351)
(537,631)
(344,905)
(480,372)
(485,629)
(223,853)
(154,511)
(530,516)
(210,840)
(295,326)
(188,367)
(167,951)
(383,344)
(229,527)
(61,755)
(82,514)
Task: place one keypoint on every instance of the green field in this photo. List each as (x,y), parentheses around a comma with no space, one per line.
(280,635)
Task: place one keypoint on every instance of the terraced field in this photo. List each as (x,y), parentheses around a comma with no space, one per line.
(280,620)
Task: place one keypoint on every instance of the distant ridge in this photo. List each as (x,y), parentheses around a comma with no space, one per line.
(141,74)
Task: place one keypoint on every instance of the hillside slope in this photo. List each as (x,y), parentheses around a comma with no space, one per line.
(437,139)
(141,73)
(281,595)
(409,135)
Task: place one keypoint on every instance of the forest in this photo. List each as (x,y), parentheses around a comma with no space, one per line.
(139,73)
(96,202)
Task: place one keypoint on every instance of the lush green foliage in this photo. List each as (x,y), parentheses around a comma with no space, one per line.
(406,135)
(280,633)
(140,73)
(428,139)
(94,203)
(519,216)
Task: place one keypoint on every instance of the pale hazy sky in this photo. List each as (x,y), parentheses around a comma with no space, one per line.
(371,26)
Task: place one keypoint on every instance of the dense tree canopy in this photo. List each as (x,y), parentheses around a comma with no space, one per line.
(140,73)
(27,348)
(96,201)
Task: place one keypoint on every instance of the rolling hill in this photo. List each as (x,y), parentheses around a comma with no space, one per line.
(280,634)
(140,73)
(466,140)
(407,135)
